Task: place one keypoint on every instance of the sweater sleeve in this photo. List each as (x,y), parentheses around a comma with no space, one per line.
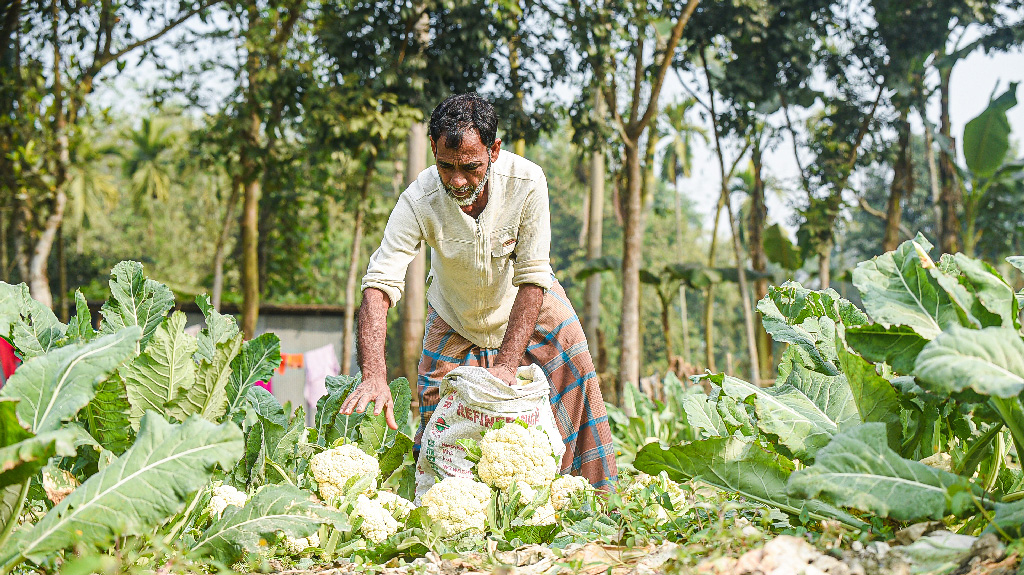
(533,263)
(402,239)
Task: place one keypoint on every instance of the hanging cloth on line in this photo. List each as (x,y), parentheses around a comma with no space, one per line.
(320,363)
(292,361)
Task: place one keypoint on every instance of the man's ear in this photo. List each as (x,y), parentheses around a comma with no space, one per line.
(495,149)
(433,148)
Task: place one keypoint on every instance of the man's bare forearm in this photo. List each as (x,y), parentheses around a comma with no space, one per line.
(373,328)
(522,322)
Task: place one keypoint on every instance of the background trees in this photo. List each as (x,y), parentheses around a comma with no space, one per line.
(268,140)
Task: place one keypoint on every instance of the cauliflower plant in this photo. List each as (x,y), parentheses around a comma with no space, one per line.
(563,487)
(459,504)
(399,506)
(378,524)
(676,495)
(544,515)
(332,468)
(224,495)
(516,454)
(297,546)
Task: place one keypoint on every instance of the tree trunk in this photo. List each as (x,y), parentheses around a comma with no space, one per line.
(38,279)
(632,246)
(825,264)
(250,164)
(250,230)
(748,312)
(348,341)
(666,326)
(950,198)
(595,222)
(902,185)
(680,256)
(758,259)
(62,279)
(933,180)
(709,293)
(222,241)
(414,298)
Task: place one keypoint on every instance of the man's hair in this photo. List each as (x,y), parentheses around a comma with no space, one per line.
(456,114)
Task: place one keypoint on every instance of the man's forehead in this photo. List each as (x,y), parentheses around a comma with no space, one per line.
(470,144)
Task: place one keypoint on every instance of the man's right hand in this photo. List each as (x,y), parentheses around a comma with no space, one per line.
(377,391)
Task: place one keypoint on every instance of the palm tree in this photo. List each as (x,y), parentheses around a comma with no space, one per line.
(91,189)
(149,161)
(676,137)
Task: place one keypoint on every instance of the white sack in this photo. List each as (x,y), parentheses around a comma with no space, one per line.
(471,400)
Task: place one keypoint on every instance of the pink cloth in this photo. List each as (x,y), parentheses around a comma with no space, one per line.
(319,363)
(267,385)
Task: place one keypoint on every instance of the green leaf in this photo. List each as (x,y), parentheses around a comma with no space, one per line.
(273,510)
(991,290)
(813,336)
(987,137)
(898,290)
(873,395)
(989,361)
(140,490)
(897,345)
(736,465)
(256,361)
(106,416)
(55,386)
(219,329)
(80,326)
(22,454)
(263,403)
(208,397)
(29,325)
(329,423)
(392,457)
(1009,518)
(135,300)
(804,412)
(701,413)
(9,497)
(1017,262)
(780,250)
(261,442)
(857,469)
(160,378)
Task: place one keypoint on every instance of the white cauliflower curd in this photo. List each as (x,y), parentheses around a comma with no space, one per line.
(224,495)
(516,454)
(297,546)
(398,506)
(563,487)
(378,524)
(459,504)
(332,468)
(544,515)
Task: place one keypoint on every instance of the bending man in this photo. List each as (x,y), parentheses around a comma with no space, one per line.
(493,299)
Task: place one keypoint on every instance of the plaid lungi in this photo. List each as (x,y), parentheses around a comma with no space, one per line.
(559,347)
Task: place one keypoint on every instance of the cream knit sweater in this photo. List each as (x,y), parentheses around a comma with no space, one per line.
(476,265)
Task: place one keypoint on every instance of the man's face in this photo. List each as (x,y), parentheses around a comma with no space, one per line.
(464,168)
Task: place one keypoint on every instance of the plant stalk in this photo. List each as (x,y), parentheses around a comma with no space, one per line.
(1012,412)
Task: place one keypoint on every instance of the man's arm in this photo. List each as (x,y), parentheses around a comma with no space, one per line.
(522,322)
(371,335)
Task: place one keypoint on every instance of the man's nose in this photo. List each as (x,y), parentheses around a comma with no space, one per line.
(459,179)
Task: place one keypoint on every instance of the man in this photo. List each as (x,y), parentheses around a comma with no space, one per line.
(493,300)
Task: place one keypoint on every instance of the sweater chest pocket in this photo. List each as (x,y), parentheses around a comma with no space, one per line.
(503,245)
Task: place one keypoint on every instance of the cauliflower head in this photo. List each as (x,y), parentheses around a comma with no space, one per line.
(563,487)
(224,495)
(544,515)
(378,524)
(398,506)
(516,454)
(332,468)
(459,504)
(297,546)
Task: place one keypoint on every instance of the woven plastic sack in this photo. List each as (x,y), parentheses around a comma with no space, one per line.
(472,400)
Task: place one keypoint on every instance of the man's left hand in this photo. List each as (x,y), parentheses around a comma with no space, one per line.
(504,373)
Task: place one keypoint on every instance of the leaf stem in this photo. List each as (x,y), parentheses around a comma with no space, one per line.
(1012,412)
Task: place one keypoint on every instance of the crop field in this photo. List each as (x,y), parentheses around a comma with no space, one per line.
(890,442)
